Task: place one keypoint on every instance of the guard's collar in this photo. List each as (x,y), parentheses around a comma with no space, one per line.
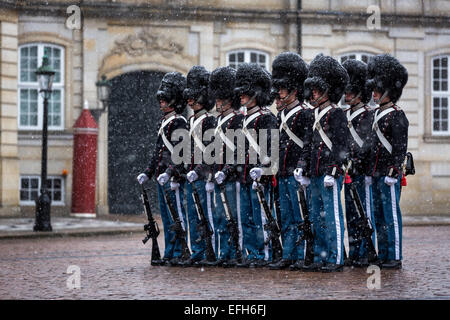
(292,104)
(324,104)
(224,114)
(356,107)
(386,105)
(253,110)
(199,113)
(168,115)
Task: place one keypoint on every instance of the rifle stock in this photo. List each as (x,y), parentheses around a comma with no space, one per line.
(271,227)
(204,228)
(151,228)
(364,226)
(231,224)
(177,227)
(305,227)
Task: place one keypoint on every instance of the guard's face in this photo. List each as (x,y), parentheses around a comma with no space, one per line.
(316,95)
(283,93)
(164,106)
(194,105)
(244,99)
(222,105)
(349,96)
(376,95)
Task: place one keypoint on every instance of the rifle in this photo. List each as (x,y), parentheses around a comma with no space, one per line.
(152,230)
(231,224)
(305,227)
(363,225)
(203,227)
(271,227)
(177,227)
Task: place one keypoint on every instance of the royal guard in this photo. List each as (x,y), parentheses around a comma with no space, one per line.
(253,85)
(295,120)
(229,124)
(324,88)
(387,77)
(172,104)
(199,174)
(360,118)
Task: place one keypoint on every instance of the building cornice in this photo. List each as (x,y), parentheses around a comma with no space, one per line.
(94,9)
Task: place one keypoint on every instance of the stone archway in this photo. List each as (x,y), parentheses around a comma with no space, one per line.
(133,114)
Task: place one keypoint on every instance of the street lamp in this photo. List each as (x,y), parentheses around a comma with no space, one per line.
(45,76)
(103,90)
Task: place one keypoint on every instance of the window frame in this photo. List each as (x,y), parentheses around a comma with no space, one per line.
(439,94)
(33,203)
(35,86)
(247,54)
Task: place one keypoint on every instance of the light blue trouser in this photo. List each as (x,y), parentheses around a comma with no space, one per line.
(328,220)
(252,220)
(227,249)
(358,248)
(199,247)
(291,218)
(388,219)
(171,250)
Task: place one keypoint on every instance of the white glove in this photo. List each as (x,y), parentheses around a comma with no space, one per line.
(142,178)
(209,186)
(390,181)
(255,186)
(192,176)
(163,178)
(329,181)
(368,180)
(298,173)
(174,185)
(256,173)
(220,177)
(304,181)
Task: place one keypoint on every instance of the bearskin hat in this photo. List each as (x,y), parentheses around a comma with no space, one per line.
(251,79)
(326,73)
(386,73)
(221,85)
(171,90)
(289,71)
(197,87)
(357,72)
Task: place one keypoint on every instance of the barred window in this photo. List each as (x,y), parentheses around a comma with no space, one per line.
(30,101)
(440,95)
(30,189)
(235,58)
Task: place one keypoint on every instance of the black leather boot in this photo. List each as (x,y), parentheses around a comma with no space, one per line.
(282,264)
(391,264)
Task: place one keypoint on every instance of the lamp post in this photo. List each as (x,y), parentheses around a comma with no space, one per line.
(45,76)
(103,90)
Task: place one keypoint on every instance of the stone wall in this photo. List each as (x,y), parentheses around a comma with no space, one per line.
(9,164)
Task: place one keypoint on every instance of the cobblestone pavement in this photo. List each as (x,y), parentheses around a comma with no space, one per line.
(118,267)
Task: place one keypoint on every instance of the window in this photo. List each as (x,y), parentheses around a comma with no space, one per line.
(30,189)
(29,100)
(235,58)
(364,57)
(361,56)
(440,95)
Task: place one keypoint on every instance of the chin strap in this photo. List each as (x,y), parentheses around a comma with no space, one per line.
(220,107)
(354,98)
(378,101)
(249,101)
(315,102)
